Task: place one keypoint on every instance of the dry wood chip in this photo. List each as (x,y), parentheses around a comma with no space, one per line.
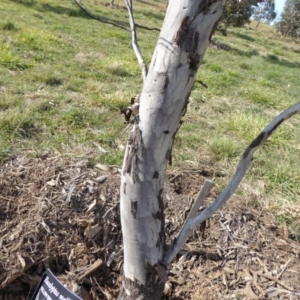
(275,280)
(89,270)
(101,179)
(83,222)
(52,182)
(247,275)
(92,205)
(21,260)
(249,292)
(102,167)
(284,267)
(228,270)
(91,231)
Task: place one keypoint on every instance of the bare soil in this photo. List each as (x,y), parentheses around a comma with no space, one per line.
(64,215)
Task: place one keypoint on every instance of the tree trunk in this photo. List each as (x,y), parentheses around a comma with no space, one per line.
(181,46)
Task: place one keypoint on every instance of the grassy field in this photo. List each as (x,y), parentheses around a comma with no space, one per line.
(64,78)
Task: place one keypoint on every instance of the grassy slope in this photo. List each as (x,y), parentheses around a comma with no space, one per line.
(64,78)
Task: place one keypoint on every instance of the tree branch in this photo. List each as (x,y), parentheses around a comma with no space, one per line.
(185,230)
(231,187)
(133,26)
(99,19)
(201,197)
(147,28)
(134,42)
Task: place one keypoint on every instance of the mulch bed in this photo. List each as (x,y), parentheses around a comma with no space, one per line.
(64,215)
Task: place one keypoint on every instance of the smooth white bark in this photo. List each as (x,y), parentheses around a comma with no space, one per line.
(181,46)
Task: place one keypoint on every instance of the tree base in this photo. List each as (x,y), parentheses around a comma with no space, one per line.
(133,290)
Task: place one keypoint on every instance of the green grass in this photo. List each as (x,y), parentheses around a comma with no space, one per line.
(64,78)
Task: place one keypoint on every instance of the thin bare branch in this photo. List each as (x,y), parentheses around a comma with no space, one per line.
(185,230)
(231,187)
(201,197)
(112,23)
(99,19)
(134,42)
(147,28)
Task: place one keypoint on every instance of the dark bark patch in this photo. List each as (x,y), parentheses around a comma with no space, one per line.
(263,135)
(155,175)
(275,127)
(124,188)
(204,6)
(184,108)
(166,83)
(254,143)
(169,151)
(153,289)
(180,123)
(157,215)
(160,200)
(160,243)
(161,270)
(169,156)
(166,131)
(187,37)
(135,150)
(182,32)
(193,61)
(192,41)
(133,208)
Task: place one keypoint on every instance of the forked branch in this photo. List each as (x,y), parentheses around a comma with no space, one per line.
(133,26)
(112,23)
(231,187)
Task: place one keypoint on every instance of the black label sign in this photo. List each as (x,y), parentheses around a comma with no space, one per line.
(52,289)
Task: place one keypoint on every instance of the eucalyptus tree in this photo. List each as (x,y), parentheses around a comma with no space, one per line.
(181,45)
(264,11)
(183,40)
(289,23)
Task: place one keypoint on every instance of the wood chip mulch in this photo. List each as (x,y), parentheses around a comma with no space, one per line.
(64,215)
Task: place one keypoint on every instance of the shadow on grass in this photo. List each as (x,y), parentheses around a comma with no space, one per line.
(29,3)
(296,50)
(271,58)
(234,50)
(57,9)
(249,53)
(77,12)
(71,12)
(244,36)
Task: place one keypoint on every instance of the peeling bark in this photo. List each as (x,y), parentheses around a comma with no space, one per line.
(164,99)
